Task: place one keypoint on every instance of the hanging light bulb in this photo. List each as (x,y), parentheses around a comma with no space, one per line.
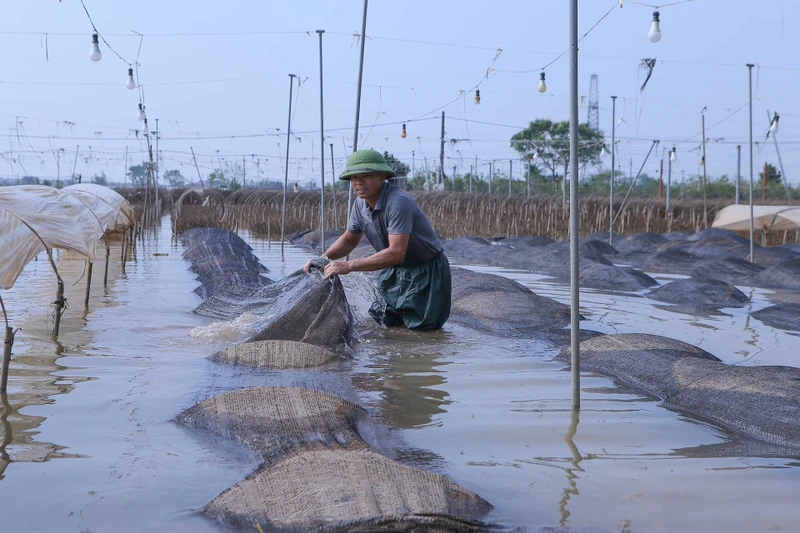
(773,128)
(145,129)
(403,134)
(477,96)
(673,156)
(95,54)
(655,29)
(131,84)
(140,115)
(542,84)
(604,152)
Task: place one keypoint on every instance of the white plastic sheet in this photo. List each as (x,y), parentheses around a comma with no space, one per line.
(74,219)
(124,215)
(765,217)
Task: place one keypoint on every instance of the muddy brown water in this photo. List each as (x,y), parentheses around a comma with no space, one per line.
(92,447)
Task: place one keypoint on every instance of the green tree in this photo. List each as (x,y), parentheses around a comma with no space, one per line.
(100,179)
(544,144)
(29,180)
(138,174)
(175,178)
(400,168)
(773,174)
(217,179)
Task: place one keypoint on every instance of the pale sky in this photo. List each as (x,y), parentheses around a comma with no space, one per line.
(215,74)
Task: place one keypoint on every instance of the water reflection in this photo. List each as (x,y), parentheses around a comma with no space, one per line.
(405,371)
(572,476)
(5,460)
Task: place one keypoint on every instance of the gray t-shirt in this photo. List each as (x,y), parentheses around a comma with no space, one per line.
(395,213)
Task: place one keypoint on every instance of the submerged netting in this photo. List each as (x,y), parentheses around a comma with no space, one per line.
(301,307)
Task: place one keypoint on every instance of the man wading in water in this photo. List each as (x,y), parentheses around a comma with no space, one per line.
(415,275)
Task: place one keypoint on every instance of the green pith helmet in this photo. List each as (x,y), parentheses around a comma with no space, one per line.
(365,162)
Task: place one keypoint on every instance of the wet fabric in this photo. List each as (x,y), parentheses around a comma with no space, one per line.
(418,297)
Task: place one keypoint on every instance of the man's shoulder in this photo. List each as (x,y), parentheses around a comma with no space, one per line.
(397,197)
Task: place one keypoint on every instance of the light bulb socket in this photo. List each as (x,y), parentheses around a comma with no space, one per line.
(656,16)
(95,39)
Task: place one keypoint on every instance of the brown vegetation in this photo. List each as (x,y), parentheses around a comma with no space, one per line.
(452,214)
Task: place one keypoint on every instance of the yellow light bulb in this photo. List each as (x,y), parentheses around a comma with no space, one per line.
(403,134)
(477,97)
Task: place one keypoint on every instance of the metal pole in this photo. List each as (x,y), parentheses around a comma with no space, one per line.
(125,174)
(333,190)
(286,176)
(510,169)
(574,236)
(75,164)
(441,155)
(470,178)
(564,182)
(413,165)
(197,168)
(358,98)
(155,176)
(321,150)
(454,178)
(105,275)
(669,178)
(752,229)
(491,172)
(780,163)
(705,164)
(470,174)
(613,169)
(738,170)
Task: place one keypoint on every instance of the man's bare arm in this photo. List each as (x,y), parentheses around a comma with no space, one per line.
(345,244)
(393,255)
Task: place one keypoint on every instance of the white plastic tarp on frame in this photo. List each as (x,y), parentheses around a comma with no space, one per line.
(98,198)
(62,221)
(19,245)
(765,217)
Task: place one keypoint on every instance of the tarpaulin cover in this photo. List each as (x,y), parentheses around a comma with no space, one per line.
(766,217)
(123,212)
(58,217)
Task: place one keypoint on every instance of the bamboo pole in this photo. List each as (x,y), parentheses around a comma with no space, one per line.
(88,283)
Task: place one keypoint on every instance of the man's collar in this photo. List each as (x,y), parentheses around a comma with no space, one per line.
(382,196)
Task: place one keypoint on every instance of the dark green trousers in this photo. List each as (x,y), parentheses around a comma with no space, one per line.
(417,296)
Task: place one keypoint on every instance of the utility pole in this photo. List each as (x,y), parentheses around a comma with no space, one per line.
(470,178)
(58,168)
(752,229)
(738,170)
(613,169)
(75,164)
(286,175)
(661,176)
(441,154)
(454,178)
(321,150)
(244,173)
(413,165)
(669,180)
(333,190)
(125,174)
(197,168)
(574,235)
(705,164)
(777,151)
(155,175)
(358,99)
(510,169)
(764,184)
(491,173)
(470,173)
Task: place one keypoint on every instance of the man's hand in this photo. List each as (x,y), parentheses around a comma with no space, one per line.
(318,262)
(335,268)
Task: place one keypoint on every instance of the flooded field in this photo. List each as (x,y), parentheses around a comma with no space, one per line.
(89,444)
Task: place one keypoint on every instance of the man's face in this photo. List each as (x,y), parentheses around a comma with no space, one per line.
(367,186)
